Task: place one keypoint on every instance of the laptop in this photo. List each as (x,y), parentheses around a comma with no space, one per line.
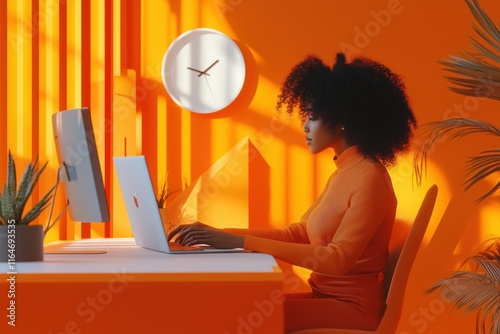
(142,209)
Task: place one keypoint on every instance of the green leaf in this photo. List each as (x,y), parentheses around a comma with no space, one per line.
(34,182)
(11,178)
(13,199)
(8,211)
(34,212)
(1,216)
(25,184)
(37,208)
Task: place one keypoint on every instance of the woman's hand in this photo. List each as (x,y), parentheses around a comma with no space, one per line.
(199,233)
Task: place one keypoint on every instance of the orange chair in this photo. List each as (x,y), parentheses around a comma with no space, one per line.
(396,273)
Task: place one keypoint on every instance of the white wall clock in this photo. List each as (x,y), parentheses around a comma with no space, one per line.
(203,70)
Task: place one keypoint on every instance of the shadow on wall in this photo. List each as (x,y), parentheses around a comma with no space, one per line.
(233,192)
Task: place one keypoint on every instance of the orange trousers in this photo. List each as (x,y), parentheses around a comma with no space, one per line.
(307,311)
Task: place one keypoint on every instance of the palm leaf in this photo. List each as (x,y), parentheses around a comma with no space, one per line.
(475,77)
(483,19)
(467,290)
(482,68)
(485,50)
(469,64)
(456,127)
(491,252)
(490,267)
(471,292)
(474,74)
(478,290)
(495,323)
(488,37)
(482,166)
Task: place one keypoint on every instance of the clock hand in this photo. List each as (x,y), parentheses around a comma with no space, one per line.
(201,72)
(208,68)
(210,89)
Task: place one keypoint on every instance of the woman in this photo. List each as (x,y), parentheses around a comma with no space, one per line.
(361,111)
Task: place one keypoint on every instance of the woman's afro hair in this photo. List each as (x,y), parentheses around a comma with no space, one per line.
(363,96)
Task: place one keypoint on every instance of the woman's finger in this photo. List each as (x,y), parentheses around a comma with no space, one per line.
(184,232)
(177,230)
(194,237)
(189,235)
(183,235)
(174,232)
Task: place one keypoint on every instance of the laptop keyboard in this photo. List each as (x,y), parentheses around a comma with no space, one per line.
(175,246)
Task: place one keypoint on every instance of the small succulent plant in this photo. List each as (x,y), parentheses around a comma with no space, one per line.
(13,198)
(163,193)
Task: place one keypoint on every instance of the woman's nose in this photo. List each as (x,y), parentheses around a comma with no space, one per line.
(305,127)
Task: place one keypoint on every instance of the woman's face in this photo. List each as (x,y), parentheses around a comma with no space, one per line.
(318,136)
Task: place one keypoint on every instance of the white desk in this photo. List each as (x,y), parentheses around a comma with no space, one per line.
(134,290)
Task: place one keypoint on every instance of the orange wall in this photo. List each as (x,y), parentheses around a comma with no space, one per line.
(61,54)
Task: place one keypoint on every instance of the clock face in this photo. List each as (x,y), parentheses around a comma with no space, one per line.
(203,70)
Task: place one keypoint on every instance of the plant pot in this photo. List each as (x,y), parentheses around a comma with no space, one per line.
(26,243)
(167,224)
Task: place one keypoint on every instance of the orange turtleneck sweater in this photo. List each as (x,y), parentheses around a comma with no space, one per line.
(343,237)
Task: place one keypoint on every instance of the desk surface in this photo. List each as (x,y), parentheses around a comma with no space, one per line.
(123,255)
(114,292)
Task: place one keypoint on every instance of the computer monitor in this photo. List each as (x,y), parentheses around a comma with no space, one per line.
(80,172)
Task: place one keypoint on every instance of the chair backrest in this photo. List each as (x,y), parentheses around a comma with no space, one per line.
(400,263)
(398,271)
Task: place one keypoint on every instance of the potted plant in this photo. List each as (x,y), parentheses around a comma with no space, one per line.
(478,289)
(161,198)
(20,240)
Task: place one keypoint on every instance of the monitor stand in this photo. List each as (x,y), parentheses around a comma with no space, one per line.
(75,251)
(58,248)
